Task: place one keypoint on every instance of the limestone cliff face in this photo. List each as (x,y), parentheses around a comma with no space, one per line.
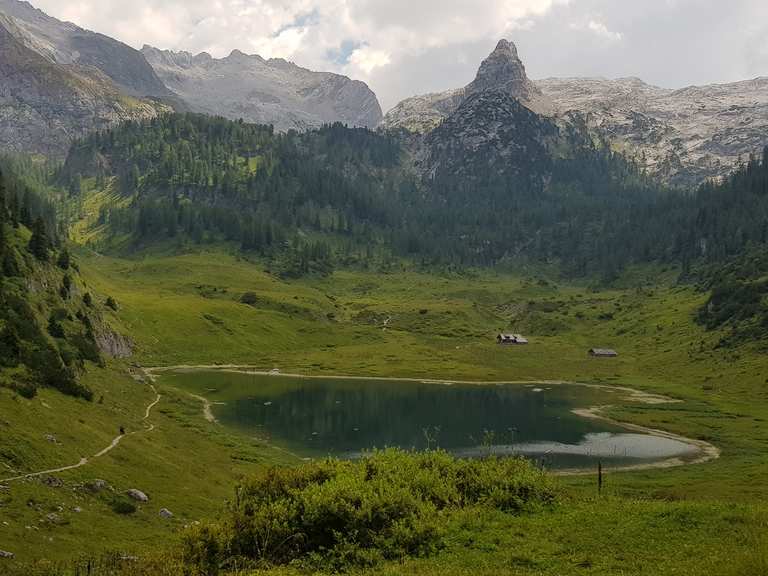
(681,136)
(66,44)
(502,71)
(271,91)
(490,133)
(58,82)
(45,105)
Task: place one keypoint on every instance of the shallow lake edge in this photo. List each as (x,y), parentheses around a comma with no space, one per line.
(706,451)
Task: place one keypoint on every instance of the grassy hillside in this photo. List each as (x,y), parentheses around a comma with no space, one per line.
(189,309)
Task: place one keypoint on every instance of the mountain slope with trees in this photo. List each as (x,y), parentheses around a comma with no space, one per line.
(50,325)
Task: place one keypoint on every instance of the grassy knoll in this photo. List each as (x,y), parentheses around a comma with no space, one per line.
(187,309)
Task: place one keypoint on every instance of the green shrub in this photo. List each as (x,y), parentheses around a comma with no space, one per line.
(386,506)
(121,505)
(249,298)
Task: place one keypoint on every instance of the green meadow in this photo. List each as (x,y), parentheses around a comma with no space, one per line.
(190,309)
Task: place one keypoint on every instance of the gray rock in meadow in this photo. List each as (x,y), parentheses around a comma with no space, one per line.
(165,513)
(137,495)
(96,486)
(8,555)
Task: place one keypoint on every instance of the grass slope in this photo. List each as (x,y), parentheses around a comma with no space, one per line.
(186,309)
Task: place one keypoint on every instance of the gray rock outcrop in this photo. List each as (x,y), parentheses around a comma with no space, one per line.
(263,91)
(137,495)
(502,71)
(681,136)
(48,99)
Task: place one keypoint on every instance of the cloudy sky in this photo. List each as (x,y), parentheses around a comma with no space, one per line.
(406,47)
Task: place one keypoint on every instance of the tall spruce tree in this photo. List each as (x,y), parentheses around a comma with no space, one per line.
(40,243)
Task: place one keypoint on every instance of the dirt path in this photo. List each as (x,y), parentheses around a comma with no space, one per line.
(707,451)
(83,461)
(207,410)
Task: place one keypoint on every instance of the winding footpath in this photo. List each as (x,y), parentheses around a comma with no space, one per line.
(115,442)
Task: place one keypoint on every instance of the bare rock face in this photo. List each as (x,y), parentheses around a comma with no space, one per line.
(262,91)
(67,44)
(45,104)
(683,136)
(502,71)
(113,344)
(490,132)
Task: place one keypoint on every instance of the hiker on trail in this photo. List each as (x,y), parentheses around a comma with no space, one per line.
(122,431)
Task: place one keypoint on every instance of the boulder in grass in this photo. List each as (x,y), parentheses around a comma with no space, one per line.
(165,513)
(137,495)
(96,486)
(8,555)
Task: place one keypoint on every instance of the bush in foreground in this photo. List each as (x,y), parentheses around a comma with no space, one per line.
(355,513)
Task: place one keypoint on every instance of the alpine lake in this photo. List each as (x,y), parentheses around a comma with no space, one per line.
(346,417)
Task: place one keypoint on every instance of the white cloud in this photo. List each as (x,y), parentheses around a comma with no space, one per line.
(602,30)
(367,59)
(597,27)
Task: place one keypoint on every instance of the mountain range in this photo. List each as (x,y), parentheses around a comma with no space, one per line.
(61,82)
(683,137)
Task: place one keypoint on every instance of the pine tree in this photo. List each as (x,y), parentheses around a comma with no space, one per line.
(39,244)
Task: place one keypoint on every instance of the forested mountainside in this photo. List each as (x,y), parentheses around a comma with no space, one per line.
(468,194)
(339,195)
(50,326)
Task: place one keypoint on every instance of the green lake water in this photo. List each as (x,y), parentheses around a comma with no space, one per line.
(342,417)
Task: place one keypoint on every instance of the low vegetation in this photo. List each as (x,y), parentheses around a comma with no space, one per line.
(336,515)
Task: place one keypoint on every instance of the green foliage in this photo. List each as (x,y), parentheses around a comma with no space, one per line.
(33,334)
(39,244)
(340,513)
(123,505)
(64,260)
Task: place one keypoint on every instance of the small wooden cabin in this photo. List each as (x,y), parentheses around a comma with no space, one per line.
(511,339)
(603,353)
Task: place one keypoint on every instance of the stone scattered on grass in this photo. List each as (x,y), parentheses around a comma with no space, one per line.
(4,554)
(96,486)
(165,513)
(52,482)
(137,495)
(77,509)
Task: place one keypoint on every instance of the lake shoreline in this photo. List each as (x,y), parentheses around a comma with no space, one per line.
(706,451)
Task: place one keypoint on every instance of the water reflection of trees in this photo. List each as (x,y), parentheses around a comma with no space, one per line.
(334,416)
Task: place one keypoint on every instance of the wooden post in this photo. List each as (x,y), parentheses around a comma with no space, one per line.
(599,476)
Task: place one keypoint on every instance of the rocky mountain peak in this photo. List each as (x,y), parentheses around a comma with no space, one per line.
(504,71)
(501,71)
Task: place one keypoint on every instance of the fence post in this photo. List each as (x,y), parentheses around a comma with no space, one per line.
(599,476)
